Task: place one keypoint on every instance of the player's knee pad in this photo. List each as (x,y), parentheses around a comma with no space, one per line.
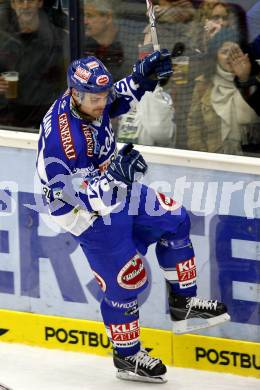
(183,229)
(176,257)
(177,245)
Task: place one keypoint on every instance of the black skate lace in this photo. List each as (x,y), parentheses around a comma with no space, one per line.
(142,358)
(201,304)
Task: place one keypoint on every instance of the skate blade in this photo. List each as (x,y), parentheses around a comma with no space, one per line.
(4,387)
(131,376)
(190,325)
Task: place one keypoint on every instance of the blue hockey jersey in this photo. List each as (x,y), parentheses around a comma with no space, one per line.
(73,152)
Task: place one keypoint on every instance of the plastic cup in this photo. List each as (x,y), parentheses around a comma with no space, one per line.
(180,67)
(12,78)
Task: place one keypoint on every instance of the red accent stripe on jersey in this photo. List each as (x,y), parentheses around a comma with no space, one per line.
(66,138)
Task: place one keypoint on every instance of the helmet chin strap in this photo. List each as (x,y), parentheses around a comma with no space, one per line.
(76,107)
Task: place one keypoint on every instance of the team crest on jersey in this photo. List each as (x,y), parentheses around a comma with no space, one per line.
(93,65)
(102,80)
(167,203)
(133,274)
(100,281)
(82,75)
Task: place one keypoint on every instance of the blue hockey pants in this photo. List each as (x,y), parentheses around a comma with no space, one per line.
(114,247)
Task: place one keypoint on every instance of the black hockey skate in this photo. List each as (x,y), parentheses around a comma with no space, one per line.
(192,313)
(140,367)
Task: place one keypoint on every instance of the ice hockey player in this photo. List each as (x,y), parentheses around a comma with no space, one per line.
(93,192)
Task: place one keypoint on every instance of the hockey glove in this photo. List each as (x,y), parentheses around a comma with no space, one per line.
(163,69)
(127,163)
(152,68)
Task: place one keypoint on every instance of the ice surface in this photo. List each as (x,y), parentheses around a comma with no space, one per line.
(30,368)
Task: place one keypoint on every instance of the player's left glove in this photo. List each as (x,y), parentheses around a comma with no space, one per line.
(154,67)
(125,166)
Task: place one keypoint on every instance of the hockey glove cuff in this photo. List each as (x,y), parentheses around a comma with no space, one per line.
(128,166)
(163,69)
(154,67)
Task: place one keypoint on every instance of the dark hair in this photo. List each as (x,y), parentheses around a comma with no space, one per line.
(239,23)
(255,47)
(226,34)
(224,5)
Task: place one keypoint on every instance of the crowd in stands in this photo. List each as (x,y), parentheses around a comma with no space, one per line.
(210,104)
(216,106)
(37,50)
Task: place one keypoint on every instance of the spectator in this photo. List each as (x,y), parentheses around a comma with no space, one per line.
(103,37)
(175,23)
(218,17)
(177,26)
(254,98)
(4,14)
(56,12)
(224,14)
(112,37)
(238,22)
(218,111)
(249,84)
(221,14)
(204,10)
(40,57)
(249,87)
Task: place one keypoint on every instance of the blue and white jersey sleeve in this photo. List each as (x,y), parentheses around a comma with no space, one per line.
(55,168)
(128,93)
(69,167)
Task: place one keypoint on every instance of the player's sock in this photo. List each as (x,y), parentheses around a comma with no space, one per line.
(121,320)
(177,260)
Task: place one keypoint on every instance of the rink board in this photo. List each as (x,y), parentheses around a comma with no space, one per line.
(43,270)
(188,351)
(216,354)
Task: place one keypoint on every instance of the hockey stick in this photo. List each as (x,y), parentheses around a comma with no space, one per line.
(151,15)
(163,78)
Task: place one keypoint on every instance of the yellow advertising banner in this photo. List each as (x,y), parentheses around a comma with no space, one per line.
(188,351)
(217,354)
(73,335)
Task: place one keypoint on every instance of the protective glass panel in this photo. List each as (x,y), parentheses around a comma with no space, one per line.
(33,59)
(213,95)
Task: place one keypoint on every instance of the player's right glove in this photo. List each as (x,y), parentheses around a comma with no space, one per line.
(125,166)
(152,68)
